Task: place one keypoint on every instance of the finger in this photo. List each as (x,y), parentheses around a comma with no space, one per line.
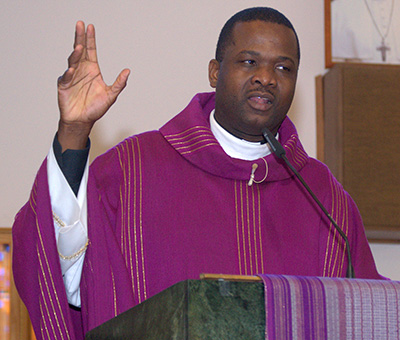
(91,52)
(79,34)
(120,83)
(66,78)
(75,56)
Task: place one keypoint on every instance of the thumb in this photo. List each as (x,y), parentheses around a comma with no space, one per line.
(66,77)
(120,82)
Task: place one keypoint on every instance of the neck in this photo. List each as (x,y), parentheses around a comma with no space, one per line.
(237,147)
(253,138)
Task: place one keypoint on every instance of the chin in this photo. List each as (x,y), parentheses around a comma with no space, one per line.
(257,125)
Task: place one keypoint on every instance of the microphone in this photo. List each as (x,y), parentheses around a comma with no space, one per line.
(280,152)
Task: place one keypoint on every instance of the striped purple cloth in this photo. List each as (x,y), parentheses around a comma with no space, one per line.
(330,308)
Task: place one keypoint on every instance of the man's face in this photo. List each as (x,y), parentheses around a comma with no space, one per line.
(256,79)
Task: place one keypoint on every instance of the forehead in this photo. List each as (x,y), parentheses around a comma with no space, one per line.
(264,36)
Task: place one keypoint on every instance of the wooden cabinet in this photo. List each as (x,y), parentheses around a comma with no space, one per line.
(360,127)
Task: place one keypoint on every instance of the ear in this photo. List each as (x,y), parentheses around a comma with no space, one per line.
(213,70)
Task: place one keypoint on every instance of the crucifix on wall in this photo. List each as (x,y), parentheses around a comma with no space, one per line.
(364,31)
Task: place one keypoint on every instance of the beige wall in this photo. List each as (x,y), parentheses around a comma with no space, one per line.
(167,44)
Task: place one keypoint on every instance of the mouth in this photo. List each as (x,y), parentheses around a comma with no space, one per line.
(261,101)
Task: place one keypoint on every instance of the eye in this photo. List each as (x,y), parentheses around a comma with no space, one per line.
(284,68)
(249,62)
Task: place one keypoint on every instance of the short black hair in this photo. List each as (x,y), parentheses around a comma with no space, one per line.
(266,14)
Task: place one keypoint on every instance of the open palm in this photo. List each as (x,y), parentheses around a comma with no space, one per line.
(83,96)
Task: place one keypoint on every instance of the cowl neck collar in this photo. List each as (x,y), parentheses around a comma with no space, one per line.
(190,135)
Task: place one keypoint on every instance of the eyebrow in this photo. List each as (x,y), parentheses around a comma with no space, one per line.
(249,52)
(257,54)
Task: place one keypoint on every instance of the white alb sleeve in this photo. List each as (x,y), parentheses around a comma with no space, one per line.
(70,223)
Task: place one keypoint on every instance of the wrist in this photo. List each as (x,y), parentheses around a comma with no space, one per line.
(73,136)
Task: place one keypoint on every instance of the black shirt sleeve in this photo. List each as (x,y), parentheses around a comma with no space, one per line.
(72,163)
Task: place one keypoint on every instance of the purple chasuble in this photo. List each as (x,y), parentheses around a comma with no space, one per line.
(165,206)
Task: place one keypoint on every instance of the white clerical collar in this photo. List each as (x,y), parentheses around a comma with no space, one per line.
(236,147)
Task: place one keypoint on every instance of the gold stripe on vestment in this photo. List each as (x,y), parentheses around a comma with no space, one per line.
(33,207)
(141,220)
(182,133)
(260,229)
(43,326)
(42,291)
(254,230)
(114,293)
(335,213)
(199,148)
(131,153)
(341,216)
(122,216)
(298,156)
(243,231)
(237,227)
(131,164)
(212,140)
(339,213)
(344,226)
(44,320)
(249,229)
(184,139)
(331,234)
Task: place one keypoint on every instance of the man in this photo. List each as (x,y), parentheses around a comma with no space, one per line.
(203,194)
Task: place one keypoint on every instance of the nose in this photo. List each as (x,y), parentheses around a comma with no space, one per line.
(265,76)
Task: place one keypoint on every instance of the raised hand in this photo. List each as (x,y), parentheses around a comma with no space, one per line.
(83,97)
